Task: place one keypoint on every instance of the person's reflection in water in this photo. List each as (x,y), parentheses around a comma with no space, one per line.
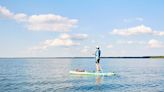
(98,79)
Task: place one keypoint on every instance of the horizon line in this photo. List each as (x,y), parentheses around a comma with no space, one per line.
(35,57)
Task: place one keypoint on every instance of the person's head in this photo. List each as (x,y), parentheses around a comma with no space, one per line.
(97,47)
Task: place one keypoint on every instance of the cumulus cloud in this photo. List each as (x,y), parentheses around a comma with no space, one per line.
(159,33)
(20,17)
(64,40)
(110,46)
(50,22)
(53,43)
(133,31)
(138,30)
(80,36)
(155,44)
(74,36)
(42,22)
(4,11)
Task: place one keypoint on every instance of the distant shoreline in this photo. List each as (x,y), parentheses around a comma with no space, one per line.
(127,57)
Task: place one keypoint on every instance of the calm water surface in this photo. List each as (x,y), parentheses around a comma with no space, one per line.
(52,75)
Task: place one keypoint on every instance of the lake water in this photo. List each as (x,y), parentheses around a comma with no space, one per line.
(52,75)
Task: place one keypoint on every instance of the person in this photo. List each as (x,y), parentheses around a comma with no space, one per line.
(97,56)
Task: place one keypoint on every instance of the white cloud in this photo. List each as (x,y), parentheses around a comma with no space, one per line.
(64,40)
(50,22)
(132,31)
(60,42)
(42,22)
(65,36)
(80,36)
(53,43)
(138,30)
(4,11)
(20,17)
(74,36)
(110,46)
(159,33)
(155,44)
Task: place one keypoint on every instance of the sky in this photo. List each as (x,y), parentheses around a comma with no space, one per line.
(73,28)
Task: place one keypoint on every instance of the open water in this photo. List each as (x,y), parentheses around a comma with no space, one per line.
(52,75)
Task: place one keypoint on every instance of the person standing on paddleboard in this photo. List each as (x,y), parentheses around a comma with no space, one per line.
(97,56)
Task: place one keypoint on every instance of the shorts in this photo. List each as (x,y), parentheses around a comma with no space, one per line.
(97,61)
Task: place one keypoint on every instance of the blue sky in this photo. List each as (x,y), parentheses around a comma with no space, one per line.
(76,27)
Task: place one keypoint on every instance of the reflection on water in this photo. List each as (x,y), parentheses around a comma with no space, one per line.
(98,79)
(49,75)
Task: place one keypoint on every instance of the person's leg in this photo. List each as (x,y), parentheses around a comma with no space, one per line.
(97,65)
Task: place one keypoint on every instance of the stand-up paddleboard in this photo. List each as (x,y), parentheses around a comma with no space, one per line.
(91,73)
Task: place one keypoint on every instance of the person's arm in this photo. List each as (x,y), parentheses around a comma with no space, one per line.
(99,53)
